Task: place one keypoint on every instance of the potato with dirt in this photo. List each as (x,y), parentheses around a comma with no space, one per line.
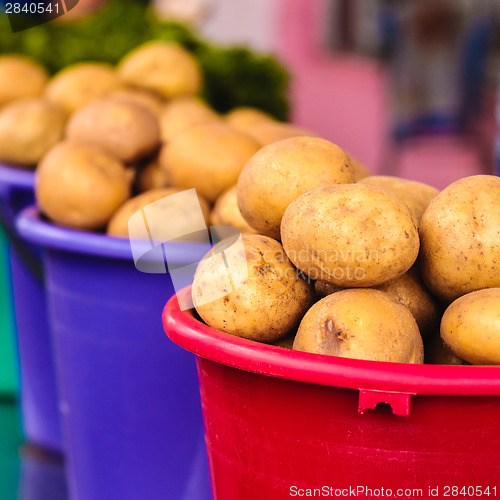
(79,84)
(165,68)
(208,157)
(28,129)
(410,291)
(350,235)
(163,220)
(471,327)
(151,175)
(80,186)
(125,129)
(460,234)
(416,195)
(149,100)
(280,172)
(20,78)
(361,324)
(244,118)
(227,213)
(184,112)
(251,305)
(268,132)
(360,170)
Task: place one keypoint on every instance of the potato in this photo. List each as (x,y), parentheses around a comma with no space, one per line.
(360,171)
(127,130)
(361,324)
(471,327)
(162,67)
(282,171)
(20,78)
(77,85)
(244,118)
(80,186)
(182,113)
(323,289)
(416,195)
(410,291)
(438,353)
(350,235)
(159,223)
(152,102)
(286,342)
(460,234)
(254,307)
(227,213)
(268,132)
(208,157)
(28,129)
(152,176)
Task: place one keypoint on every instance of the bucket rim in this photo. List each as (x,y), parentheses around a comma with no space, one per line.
(34,228)
(183,328)
(17,177)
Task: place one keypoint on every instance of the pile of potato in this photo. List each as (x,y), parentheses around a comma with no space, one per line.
(107,141)
(367,268)
(332,260)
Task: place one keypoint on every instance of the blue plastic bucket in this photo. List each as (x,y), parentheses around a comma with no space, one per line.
(39,401)
(130,401)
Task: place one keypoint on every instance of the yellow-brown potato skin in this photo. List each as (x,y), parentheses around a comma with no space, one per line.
(267,306)
(245,118)
(360,171)
(227,213)
(267,132)
(460,236)
(80,186)
(118,224)
(153,102)
(436,352)
(416,195)
(286,342)
(81,83)
(361,324)
(152,176)
(281,172)
(410,291)
(20,78)
(471,327)
(208,157)
(28,129)
(184,112)
(350,235)
(162,67)
(125,129)
(323,289)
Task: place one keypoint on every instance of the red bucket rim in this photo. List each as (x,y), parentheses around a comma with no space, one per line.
(187,331)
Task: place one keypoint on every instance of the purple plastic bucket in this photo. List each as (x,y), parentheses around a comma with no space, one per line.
(130,401)
(39,401)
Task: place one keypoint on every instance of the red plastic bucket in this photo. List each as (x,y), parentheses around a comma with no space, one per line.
(281,423)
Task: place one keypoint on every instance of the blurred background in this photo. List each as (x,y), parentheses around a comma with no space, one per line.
(408,87)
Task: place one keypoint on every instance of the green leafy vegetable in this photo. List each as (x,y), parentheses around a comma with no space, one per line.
(234,76)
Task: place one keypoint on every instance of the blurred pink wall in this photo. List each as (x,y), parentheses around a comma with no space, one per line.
(341,97)
(345,98)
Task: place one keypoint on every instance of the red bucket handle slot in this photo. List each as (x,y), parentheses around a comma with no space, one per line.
(398,401)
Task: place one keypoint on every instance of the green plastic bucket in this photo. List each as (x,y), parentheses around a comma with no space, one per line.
(8,362)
